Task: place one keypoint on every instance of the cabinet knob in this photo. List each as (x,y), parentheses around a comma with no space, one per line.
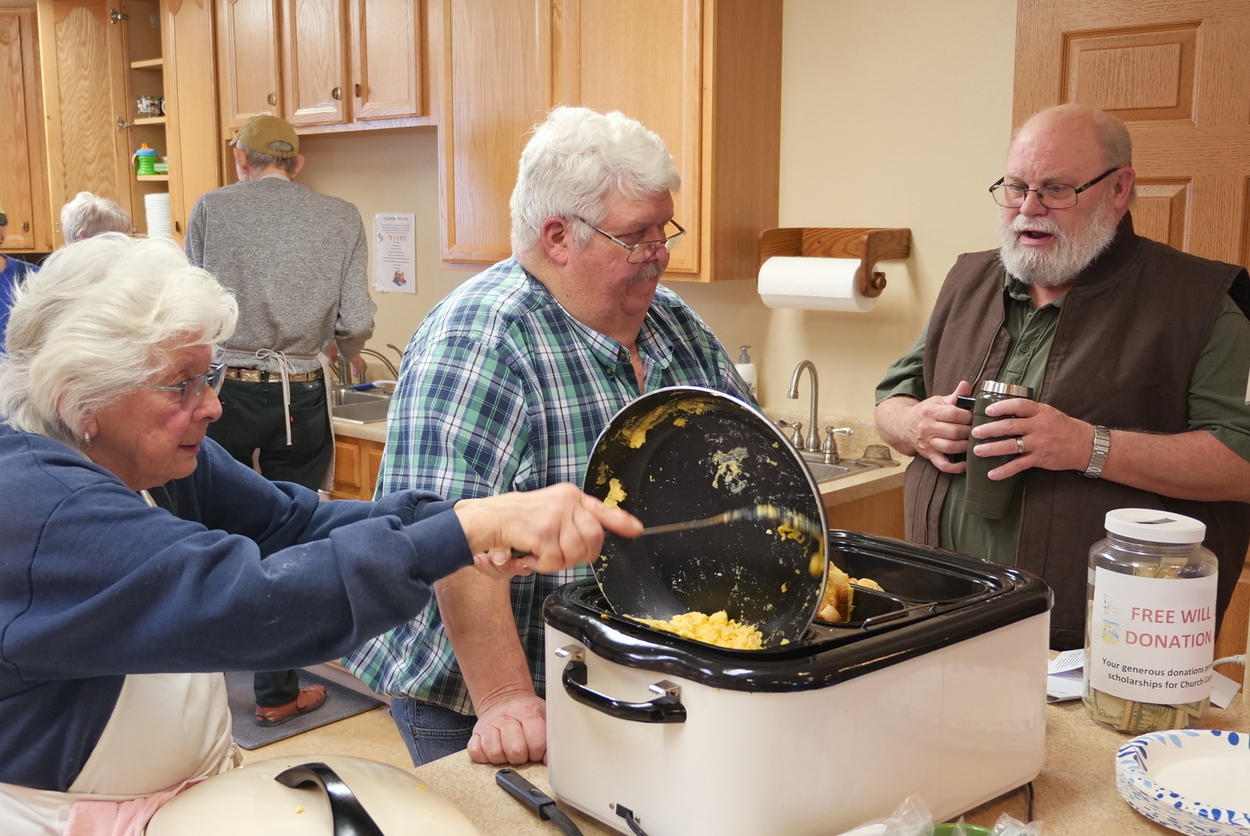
(358,91)
(273,98)
(337,94)
(25,226)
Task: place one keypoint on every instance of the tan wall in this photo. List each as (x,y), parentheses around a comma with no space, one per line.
(894,113)
(380,172)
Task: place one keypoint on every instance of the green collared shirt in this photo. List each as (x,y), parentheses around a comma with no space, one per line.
(1216,403)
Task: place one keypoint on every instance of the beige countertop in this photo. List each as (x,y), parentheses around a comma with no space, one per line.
(373,431)
(1075,795)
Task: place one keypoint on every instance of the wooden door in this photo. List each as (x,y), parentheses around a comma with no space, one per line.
(1177,73)
(23,191)
(386,41)
(609,60)
(247,61)
(190,106)
(496,84)
(315,65)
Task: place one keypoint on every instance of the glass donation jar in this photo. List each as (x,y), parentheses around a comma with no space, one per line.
(1150,622)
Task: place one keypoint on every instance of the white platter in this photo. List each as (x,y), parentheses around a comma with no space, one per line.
(1193,781)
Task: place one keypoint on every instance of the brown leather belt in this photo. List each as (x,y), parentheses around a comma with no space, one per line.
(258,376)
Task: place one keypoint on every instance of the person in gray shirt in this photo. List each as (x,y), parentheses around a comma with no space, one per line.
(296,261)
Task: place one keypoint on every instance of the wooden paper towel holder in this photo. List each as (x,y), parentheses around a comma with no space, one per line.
(868,244)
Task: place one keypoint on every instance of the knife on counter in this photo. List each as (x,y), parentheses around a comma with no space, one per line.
(538,801)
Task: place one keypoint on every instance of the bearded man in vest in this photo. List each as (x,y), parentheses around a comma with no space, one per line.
(1138,358)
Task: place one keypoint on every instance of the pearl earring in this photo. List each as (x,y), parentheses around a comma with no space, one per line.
(86,439)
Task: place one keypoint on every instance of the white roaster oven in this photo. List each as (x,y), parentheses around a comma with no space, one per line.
(935,687)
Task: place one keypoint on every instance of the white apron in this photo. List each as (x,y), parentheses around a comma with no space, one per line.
(165,729)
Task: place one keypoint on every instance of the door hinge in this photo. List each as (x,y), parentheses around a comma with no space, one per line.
(122,124)
(117,17)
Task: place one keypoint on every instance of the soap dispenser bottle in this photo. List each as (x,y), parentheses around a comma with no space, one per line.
(746,369)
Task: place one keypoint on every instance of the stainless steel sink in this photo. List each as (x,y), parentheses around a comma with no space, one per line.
(359,407)
(344,397)
(828,472)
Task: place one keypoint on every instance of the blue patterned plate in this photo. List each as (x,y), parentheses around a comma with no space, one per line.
(1193,781)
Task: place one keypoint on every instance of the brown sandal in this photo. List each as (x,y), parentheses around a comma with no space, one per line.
(309,699)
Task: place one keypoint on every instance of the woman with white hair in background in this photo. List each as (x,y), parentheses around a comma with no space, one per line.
(88,215)
(136,555)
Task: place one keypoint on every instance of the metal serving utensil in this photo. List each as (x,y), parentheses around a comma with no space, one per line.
(798,522)
(751,512)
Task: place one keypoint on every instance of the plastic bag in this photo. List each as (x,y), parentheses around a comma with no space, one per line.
(912,818)
(1007,826)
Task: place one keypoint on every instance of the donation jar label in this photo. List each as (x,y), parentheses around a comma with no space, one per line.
(1152,640)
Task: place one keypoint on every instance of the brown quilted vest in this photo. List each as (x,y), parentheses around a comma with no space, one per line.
(1128,337)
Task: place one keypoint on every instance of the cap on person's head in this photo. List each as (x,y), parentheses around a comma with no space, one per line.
(270,135)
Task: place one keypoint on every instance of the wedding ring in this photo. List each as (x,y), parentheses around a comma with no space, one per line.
(1020,445)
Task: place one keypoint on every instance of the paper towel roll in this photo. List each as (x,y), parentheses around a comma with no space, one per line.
(816,284)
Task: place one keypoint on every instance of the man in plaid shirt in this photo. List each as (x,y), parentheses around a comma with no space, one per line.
(505,387)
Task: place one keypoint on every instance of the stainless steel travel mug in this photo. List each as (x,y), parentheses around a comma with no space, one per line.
(982,497)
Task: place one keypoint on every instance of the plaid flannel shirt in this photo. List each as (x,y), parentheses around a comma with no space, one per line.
(501,390)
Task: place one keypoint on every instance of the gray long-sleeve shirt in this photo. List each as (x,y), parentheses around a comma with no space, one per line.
(296,261)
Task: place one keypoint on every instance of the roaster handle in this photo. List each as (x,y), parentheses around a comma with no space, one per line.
(665,708)
(349,817)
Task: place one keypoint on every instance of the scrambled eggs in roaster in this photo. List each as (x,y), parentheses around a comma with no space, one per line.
(718,629)
(838,598)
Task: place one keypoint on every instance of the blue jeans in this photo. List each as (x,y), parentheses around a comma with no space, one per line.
(431,731)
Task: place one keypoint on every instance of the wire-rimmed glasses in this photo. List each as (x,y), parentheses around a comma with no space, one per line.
(1052,195)
(640,252)
(191,388)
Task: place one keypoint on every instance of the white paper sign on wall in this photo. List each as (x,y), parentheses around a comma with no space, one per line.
(394,253)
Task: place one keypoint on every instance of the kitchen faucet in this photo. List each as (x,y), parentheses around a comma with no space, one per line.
(390,367)
(813,440)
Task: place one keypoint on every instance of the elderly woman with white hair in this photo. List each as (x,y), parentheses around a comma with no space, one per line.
(88,215)
(136,555)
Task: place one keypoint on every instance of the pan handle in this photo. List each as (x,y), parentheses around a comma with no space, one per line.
(665,708)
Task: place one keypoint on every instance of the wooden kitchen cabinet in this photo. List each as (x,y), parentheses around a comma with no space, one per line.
(23,187)
(495,65)
(83,73)
(703,74)
(356,465)
(880,514)
(319,63)
(388,59)
(247,60)
(1235,629)
(314,70)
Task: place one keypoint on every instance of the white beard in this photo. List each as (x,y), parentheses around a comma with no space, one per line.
(1069,255)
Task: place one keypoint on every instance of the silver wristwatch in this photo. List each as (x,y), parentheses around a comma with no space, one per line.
(1102,444)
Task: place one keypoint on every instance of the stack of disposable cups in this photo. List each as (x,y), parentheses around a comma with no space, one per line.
(156,206)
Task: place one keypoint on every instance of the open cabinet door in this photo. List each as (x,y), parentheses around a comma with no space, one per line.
(195,144)
(82,57)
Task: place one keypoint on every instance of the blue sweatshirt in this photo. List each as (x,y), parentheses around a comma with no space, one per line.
(231,572)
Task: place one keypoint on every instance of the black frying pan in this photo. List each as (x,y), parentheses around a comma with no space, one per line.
(686,453)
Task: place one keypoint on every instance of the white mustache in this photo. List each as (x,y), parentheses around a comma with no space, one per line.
(1046,225)
(649,272)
